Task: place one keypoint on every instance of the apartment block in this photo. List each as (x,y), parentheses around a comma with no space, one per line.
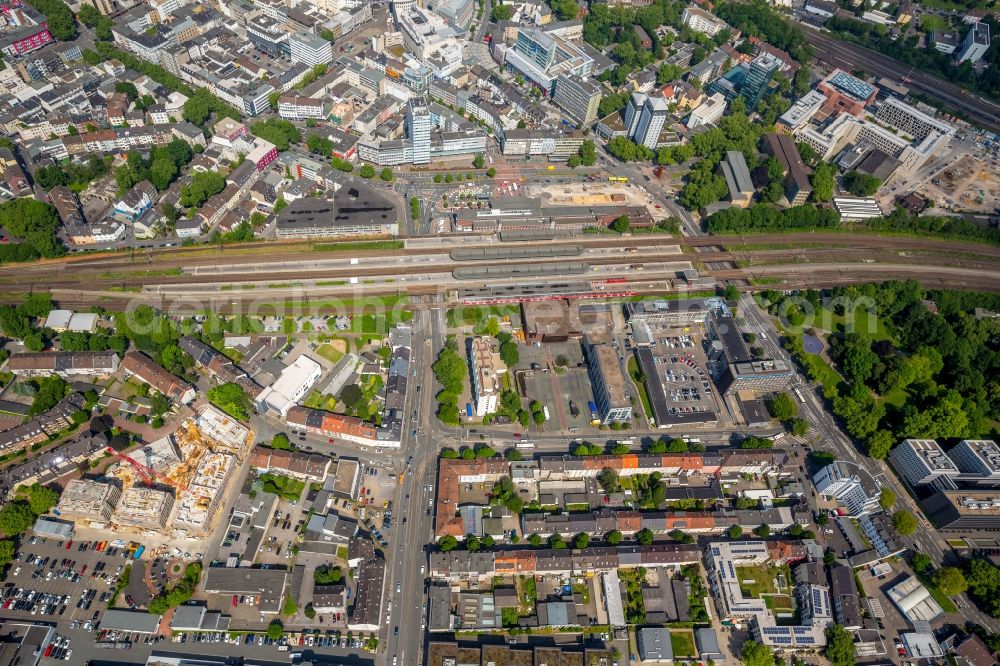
(486,368)
(85,500)
(851,486)
(701,21)
(144,508)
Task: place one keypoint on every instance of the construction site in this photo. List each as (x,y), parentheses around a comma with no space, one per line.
(176,484)
(969,185)
(593,194)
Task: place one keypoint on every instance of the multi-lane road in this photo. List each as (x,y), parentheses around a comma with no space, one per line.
(925,540)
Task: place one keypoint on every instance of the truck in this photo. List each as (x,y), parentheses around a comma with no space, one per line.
(593,409)
(573,409)
(138,552)
(468,409)
(545,410)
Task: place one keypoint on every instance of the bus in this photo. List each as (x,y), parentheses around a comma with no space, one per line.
(524,445)
(617,179)
(798,394)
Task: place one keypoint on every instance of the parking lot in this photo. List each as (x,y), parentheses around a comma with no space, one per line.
(555,374)
(682,362)
(49,582)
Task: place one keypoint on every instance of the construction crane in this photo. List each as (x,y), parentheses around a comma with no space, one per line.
(148,474)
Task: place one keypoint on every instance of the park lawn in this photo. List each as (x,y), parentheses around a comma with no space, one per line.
(865,322)
(332,351)
(897,397)
(931,22)
(682,642)
(817,367)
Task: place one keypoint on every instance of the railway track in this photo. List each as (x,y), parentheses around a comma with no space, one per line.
(276,252)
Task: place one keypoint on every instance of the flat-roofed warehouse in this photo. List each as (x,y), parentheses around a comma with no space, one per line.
(679,312)
(969,510)
(267,584)
(130,621)
(355,210)
(145,508)
(84,500)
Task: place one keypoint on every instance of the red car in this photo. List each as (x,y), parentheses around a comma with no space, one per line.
(236,600)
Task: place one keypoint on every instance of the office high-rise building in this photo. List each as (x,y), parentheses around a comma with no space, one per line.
(759,75)
(578,97)
(418,128)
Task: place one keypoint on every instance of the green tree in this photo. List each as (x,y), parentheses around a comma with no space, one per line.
(839,646)
(6,552)
(342,165)
(535,540)
(203,186)
(162,173)
(281,133)
(756,654)
(367,171)
(620,224)
(35,223)
(386,175)
(862,184)
(887,498)
(447,543)
(644,536)
(951,581)
(983,579)
(275,630)
(290,608)
(735,532)
(491,172)
(479,161)
(15,518)
(232,399)
(782,407)
(880,443)
(581,540)
(904,522)
(309,611)
(798,427)
(921,563)
(327,574)
(823,183)
(763,530)
(41,499)
(614,537)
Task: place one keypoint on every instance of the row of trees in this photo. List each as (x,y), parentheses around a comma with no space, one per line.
(450,370)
